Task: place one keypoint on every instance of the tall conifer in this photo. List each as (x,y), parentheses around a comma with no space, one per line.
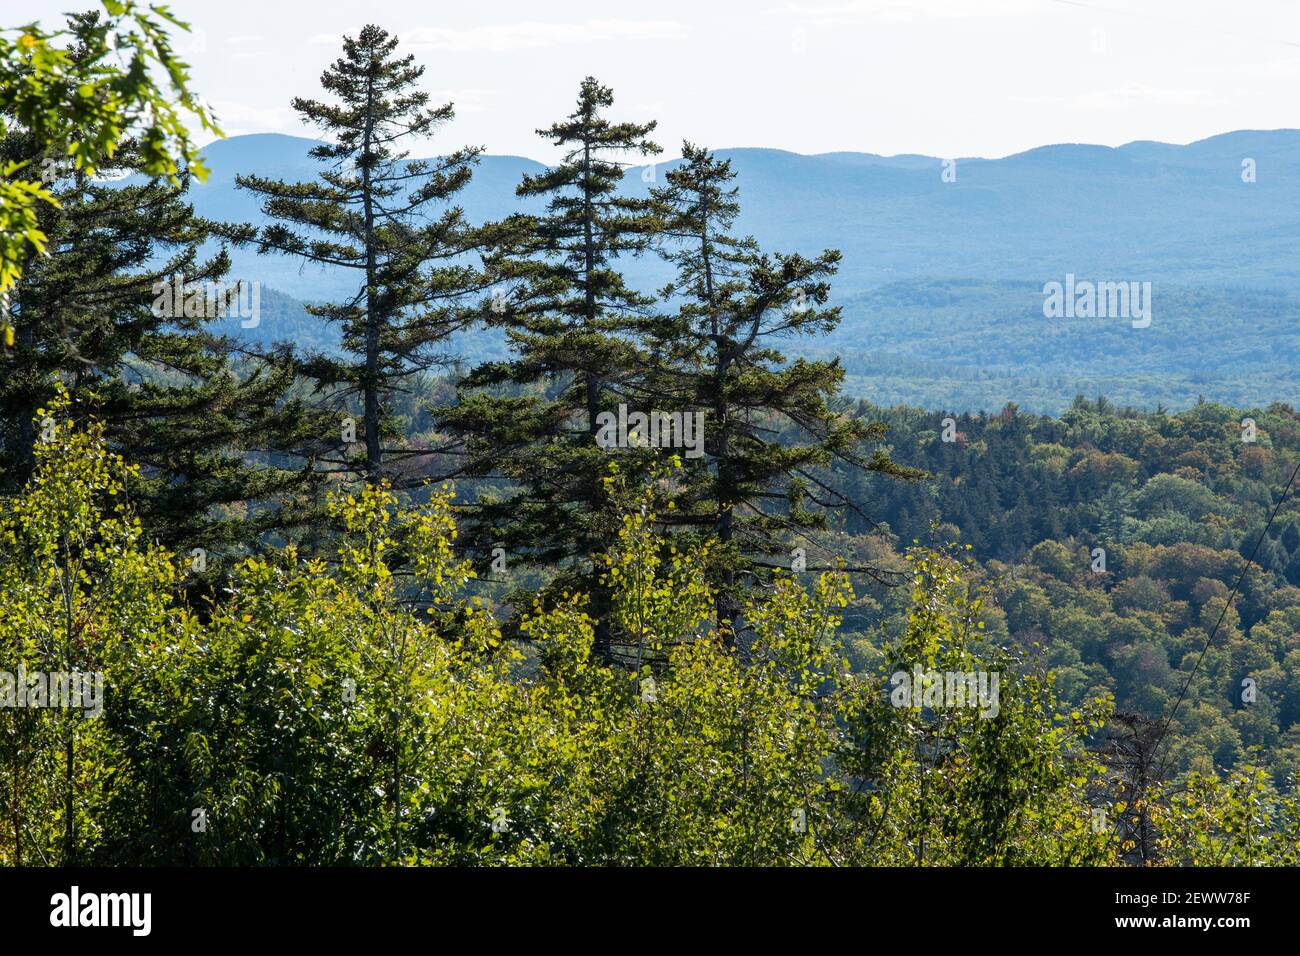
(530,422)
(773,426)
(385,218)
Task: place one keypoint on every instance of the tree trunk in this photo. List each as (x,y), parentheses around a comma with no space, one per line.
(592,387)
(370,386)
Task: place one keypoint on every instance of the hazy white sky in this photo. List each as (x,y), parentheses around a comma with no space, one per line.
(942,77)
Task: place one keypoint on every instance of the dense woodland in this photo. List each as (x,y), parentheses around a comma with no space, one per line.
(359,600)
(1179,502)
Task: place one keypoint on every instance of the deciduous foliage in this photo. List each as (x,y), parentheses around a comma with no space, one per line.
(80,92)
(1177,503)
(362,716)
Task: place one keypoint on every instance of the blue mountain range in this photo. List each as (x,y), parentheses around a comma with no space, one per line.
(945,260)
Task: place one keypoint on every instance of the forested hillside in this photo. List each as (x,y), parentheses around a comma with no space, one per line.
(972,346)
(1178,502)
(331,713)
(976,346)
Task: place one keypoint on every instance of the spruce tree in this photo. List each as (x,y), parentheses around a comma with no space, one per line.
(385,218)
(208,421)
(774,427)
(529,423)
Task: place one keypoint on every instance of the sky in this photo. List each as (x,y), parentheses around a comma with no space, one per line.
(948,78)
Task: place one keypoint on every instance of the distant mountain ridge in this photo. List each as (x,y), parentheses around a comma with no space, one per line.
(1147,210)
(927,262)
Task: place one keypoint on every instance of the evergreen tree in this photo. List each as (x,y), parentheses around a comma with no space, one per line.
(383,216)
(184,403)
(774,427)
(530,423)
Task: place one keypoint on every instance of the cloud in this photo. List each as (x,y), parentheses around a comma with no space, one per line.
(1139,94)
(237,119)
(530,35)
(1123,97)
(466,100)
(907,11)
(1284,68)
